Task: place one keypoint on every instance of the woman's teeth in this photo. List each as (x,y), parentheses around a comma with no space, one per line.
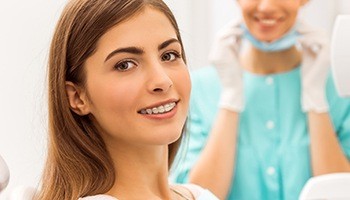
(159,110)
(268,22)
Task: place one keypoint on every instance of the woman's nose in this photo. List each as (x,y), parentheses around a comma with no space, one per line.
(267,5)
(159,80)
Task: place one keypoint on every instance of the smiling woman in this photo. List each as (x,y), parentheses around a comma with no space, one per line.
(118,101)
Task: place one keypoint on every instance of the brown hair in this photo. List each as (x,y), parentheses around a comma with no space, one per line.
(78,163)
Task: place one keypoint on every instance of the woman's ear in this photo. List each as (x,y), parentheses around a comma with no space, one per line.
(77,98)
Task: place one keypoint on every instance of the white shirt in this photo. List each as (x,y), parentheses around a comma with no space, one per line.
(198,192)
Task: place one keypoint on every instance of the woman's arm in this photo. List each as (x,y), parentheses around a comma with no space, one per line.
(327,155)
(215,167)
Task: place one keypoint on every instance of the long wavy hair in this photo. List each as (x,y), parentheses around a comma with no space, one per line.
(78,163)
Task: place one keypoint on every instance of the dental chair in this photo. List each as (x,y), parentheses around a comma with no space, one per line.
(19,192)
(327,187)
(4,174)
(335,186)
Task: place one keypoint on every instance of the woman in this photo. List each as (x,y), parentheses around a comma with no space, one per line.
(118,100)
(279,120)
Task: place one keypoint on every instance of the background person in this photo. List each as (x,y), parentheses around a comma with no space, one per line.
(273,114)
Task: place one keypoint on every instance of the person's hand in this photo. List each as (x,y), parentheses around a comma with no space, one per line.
(224,56)
(314,69)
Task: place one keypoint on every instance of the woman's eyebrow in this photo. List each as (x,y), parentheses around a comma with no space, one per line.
(138,50)
(167,43)
(132,50)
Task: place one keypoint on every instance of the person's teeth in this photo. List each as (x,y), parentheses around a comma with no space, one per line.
(268,21)
(167,108)
(160,109)
(149,111)
(155,110)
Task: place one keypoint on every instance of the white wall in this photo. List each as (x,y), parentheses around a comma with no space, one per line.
(198,21)
(201,18)
(26,28)
(25,32)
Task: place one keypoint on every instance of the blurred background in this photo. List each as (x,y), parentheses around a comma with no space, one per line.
(26,28)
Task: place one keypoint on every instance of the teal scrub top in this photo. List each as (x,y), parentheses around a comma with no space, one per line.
(273,155)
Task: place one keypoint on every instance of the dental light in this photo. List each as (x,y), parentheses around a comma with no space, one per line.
(340,55)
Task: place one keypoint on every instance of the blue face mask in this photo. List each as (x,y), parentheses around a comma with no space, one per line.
(285,42)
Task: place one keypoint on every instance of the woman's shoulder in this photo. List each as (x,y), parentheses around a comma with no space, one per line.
(196,191)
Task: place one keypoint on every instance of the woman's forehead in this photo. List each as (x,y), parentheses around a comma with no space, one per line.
(149,25)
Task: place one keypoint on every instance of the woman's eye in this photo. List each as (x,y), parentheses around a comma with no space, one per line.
(170,56)
(124,65)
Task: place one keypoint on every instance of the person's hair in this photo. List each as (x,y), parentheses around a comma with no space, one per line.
(78,163)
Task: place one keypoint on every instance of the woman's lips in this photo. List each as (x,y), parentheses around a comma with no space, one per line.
(163,108)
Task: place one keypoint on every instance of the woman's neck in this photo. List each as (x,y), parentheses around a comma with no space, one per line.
(260,62)
(141,172)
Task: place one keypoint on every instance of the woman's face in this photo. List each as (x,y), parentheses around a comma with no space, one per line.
(138,85)
(269,20)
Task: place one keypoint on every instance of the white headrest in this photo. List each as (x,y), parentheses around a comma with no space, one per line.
(4,174)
